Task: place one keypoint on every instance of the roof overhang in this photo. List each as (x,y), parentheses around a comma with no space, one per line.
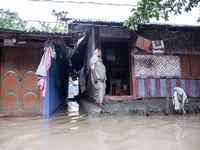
(37,36)
(151,25)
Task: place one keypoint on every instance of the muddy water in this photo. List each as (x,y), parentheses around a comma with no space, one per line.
(64,131)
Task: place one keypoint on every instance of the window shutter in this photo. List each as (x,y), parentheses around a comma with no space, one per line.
(195,65)
(185,65)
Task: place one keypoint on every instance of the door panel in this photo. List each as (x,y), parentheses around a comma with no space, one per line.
(185,66)
(10,102)
(29,80)
(30,59)
(10,80)
(195,65)
(29,101)
(29,91)
(10,59)
(19,91)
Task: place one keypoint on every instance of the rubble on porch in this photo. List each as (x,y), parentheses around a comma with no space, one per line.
(144,107)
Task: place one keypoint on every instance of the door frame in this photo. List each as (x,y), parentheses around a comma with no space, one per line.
(31,45)
(98,41)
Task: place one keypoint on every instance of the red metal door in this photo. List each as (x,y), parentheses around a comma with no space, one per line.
(19,91)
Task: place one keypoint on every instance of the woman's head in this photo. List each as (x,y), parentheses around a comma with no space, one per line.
(99,53)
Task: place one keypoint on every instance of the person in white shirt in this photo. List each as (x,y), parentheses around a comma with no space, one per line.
(98,77)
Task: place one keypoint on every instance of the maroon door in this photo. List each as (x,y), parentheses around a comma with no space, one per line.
(19,91)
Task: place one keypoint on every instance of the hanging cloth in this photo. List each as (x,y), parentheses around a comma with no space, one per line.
(179,99)
(158,47)
(143,43)
(45,63)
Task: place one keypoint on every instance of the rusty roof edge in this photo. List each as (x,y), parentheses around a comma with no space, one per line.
(91,20)
(171,24)
(96,21)
(40,33)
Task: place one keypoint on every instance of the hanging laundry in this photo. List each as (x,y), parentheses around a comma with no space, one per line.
(143,43)
(45,63)
(179,99)
(158,47)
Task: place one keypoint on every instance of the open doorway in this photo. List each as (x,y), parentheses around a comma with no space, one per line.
(73,89)
(115,56)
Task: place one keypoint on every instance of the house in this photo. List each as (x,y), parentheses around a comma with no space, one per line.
(20,56)
(133,73)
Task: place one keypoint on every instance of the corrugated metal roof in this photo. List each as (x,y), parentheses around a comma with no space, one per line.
(120,22)
(92,21)
(38,36)
(171,24)
(41,33)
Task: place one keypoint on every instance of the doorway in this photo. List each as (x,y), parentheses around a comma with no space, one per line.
(115,56)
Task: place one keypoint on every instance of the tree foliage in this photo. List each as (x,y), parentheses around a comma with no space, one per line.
(59,27)
(147,9)
(32,28)
(11,20)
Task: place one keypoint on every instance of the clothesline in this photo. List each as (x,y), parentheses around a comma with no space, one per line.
(144,44)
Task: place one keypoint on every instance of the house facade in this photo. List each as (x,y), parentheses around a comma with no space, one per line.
(19,91)
(158,75)
(133,73)
(20,56)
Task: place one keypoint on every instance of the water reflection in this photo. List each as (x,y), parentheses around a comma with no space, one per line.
(74,128)
(180,129)
(73,108)
(73,121)
(76,131)
(45,130)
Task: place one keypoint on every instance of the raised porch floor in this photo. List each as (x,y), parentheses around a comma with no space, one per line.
(144,107)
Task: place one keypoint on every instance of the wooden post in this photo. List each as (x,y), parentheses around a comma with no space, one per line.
(167,105)
(97,39)
(133,87)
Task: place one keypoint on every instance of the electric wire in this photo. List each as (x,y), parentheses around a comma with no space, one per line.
(94,3)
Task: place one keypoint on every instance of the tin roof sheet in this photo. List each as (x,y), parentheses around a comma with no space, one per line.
(39,33)
(120,22)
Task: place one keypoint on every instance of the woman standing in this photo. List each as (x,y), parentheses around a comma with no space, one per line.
(98,77)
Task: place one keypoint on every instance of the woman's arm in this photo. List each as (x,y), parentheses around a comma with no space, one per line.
(95,77)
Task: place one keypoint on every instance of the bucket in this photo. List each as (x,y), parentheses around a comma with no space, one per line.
(125,87)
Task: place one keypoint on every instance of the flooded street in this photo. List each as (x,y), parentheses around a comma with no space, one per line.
(63,131)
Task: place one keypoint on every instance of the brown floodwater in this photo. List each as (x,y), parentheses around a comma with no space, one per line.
(67,131)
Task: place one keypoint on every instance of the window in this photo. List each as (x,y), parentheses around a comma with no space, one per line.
(190,65)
